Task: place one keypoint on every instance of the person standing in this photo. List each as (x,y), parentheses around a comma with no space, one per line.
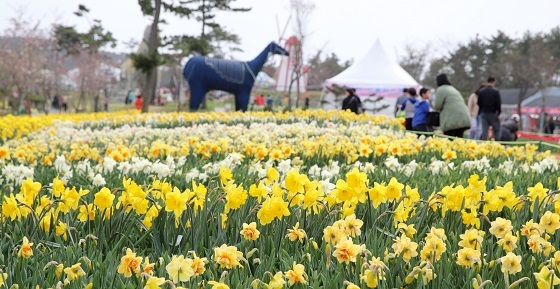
(139,102)
(130,96)
(490,108)
(408,108)
(106,103)
(400,100)
(352,101)
(63,104)
(126,97)
(421,109)
(549,127)
(56,102)
(472,104)
(453,112)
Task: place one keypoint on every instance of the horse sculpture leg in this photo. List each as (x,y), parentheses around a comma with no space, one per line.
(242,101)
(198,92)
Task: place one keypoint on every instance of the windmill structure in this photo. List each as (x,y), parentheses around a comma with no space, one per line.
(291,67)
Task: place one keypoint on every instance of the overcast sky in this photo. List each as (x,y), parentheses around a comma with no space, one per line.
(348,28)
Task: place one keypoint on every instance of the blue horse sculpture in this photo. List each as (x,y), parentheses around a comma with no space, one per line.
(205,74)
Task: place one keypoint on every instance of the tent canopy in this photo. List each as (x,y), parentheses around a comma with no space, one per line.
(264,81)
(375,73)
(533,103)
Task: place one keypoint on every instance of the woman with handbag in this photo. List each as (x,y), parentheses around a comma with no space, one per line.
(421,110)
(454,114)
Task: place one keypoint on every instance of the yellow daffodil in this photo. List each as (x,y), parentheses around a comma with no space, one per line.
(296,275)
(228,256)
(346,251)
(130,263)
(74,272)
(179,269)
(468,257)
(104,199)
(25,250)
(154,283)
(500,227)
(546,278)
(511,263)
(218,285)
(250,231)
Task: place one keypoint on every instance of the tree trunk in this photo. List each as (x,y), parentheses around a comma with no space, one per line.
(81,106)
(297,93)
(96,103)
(15,103)
(290,96)
(520,97)
(149,87)
(542,121)
(180,94)
(299,68)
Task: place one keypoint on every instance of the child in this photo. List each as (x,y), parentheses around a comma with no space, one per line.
(139,102)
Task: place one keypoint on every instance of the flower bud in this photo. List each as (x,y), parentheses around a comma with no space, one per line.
(250,253)
(475,283)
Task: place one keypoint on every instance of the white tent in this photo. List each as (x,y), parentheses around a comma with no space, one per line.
(375,74)
(264,81)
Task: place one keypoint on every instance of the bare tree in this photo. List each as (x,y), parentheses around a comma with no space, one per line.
(92,74)
(532,64)
(302,10)
(24,61)
(415,60)
(92,68)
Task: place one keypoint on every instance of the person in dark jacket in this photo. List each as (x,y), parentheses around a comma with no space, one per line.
(490,108)
(421,109)
(408,107)
(549,127)
(400,101)
(352,101)
(509,129)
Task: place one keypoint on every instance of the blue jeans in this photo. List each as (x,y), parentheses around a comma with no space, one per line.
(475,129)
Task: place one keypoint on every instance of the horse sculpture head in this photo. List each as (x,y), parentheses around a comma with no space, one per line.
(274,48)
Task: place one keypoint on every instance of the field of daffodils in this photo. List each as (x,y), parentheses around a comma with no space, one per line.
(308,199)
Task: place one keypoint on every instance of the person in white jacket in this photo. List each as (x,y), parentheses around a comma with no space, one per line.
(472,105)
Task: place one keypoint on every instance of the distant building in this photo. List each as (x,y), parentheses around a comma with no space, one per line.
(510,98)
(531,106)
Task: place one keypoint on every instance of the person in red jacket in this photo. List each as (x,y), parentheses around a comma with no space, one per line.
(139,102)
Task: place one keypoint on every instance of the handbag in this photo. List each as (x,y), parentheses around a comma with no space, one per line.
(432,118)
